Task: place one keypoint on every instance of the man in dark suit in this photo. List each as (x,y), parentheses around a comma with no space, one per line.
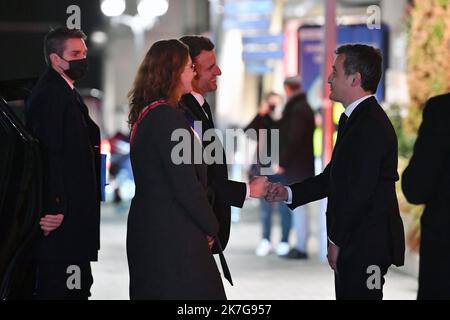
(223,193)
(69,140)
(364,227)
(426,180)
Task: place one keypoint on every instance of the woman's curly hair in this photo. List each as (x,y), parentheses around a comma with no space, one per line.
(158,76)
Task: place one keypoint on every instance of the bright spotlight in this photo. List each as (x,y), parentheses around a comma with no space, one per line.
(112,8)
(152,8)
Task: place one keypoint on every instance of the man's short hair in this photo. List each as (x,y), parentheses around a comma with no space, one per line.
(293,83)
(364,59)
(197,44)
(270,94)
(55,40)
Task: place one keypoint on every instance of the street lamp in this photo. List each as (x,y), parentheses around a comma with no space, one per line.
(148,12)
(152,8)
(112,8)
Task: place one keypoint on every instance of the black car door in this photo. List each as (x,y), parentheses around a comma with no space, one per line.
(20,197)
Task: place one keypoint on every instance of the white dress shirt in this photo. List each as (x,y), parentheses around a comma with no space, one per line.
(70,83)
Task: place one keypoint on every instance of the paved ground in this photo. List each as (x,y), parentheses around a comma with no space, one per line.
(255,277)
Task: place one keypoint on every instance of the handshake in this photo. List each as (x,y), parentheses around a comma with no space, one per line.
(260,187)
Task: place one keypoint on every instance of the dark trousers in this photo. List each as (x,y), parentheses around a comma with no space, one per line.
(56,280)
(267,208)
(434,268)
(357,280)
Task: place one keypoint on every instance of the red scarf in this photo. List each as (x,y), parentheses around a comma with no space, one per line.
(143,113)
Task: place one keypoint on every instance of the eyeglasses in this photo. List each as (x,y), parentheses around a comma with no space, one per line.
(192,66)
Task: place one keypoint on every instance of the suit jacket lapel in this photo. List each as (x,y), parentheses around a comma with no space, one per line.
(74,94)
(194,107)
(189,102)
(79,101)
(359,112)
(93,130)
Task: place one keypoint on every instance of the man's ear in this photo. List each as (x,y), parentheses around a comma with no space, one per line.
(356,82)
(54,59)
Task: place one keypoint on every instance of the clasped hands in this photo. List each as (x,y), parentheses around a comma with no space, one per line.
(260,187)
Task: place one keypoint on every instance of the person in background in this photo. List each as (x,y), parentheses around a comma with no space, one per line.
(267,119)
(297,127)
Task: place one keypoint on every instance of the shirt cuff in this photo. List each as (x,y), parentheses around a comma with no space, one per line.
(289,198)
(331,242)
(247,195)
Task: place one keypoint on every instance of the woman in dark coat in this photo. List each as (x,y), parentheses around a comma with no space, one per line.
(171,226)
(426,180)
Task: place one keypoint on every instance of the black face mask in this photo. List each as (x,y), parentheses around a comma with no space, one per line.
(77,68)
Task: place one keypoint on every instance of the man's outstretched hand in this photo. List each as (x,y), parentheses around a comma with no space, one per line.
(277,192)
(258,187)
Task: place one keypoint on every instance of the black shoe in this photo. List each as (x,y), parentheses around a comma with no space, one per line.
(297,254)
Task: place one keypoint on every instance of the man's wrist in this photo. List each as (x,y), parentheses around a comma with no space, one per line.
(288,199)
(247,190)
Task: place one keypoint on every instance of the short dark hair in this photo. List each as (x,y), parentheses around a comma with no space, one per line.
(294,83)
(364,59)
(55,40)
(270,94)
(197,44)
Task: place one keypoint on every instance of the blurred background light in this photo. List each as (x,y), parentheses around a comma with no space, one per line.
(152,8)
(113,8)
(99,37)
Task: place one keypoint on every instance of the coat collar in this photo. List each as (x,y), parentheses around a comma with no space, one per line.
(51,75)
(350,108)
(359,112)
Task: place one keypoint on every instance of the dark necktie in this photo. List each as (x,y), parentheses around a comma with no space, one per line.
(207,110)
(341,125)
